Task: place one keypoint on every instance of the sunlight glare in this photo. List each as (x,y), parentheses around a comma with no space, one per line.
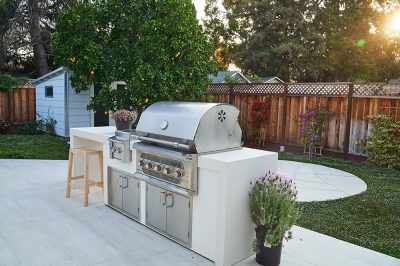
(394,25)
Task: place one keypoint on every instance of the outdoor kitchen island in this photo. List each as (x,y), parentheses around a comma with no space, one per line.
(211,219)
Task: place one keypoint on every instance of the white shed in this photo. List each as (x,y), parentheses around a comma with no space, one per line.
(56,96)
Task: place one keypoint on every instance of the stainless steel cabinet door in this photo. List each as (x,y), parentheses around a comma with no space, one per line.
(130,195)
(114,188)
(155,208)
(178,216)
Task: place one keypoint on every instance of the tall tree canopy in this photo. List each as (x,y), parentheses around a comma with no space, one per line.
(324,40)
(25,31)
(156,46)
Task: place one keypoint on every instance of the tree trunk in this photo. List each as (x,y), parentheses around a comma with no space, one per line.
(2,51)
(39,51)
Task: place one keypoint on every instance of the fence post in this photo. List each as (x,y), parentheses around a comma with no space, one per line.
(348,119)
(231,92)
(283,125)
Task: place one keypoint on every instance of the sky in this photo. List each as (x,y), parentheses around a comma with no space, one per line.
(199,4)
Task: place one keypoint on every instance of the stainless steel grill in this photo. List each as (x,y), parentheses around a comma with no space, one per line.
(171,137)
(173,134)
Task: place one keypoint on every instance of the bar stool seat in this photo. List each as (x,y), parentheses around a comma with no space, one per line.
(87,182)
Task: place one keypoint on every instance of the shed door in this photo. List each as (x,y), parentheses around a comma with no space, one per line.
(100,118)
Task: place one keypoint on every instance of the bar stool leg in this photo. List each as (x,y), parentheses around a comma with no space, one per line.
(70,164)
(86,180)
(101,168)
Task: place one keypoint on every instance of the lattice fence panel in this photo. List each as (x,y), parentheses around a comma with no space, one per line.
(334,89)
(377,89)
(263,88)
(218,89)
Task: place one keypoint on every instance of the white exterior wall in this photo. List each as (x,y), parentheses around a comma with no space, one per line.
(56,105)
(77,114)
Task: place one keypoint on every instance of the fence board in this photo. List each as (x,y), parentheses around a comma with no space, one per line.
(18,106)
(368,99)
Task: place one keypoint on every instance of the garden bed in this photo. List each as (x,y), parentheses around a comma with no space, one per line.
(370,219)
(43,147)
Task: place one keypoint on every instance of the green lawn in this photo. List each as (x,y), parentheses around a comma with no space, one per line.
(33,147)
(370,219)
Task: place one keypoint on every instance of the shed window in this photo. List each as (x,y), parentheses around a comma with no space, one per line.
(48,91)
(121,86)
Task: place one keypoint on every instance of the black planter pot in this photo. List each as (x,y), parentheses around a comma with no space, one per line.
(120,124)
(267,256)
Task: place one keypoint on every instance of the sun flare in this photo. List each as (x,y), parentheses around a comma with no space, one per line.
(394,24)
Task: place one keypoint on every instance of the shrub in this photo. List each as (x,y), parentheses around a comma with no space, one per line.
(47,124)
(383,145)
(312,125)
(5,126)
(273,208)
(31,128)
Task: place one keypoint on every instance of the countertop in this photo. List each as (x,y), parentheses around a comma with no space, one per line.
(99,134)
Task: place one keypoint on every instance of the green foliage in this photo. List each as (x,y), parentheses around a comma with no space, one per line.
(383,146)
(156,47)
(30,128)
(312,124)
(7,82)
(307,41)
(273,207)
(46,124)
(5,126)
(44,147)
(369,219)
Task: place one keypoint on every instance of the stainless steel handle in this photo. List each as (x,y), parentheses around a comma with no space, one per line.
(172,200)
(124,182)
(166,143)
(163,199)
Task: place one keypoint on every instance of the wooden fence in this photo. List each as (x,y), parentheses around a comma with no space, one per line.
(351,102)
(18,106)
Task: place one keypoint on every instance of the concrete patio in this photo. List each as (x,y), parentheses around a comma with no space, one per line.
(39,226)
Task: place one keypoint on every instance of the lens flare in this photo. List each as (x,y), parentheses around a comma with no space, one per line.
(394,24)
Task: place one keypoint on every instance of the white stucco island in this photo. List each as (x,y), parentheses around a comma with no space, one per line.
(220,228)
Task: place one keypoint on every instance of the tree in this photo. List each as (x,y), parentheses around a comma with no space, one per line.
(25,31)
(218,34)
(156,47)
(323,40)
(277,38)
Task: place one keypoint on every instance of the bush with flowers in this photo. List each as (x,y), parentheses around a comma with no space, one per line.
(312,126)
(273,209)
(260,113)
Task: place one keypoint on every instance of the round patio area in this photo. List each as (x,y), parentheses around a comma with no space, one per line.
(320,183)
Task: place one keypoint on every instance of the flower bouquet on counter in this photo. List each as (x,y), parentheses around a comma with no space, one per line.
(124,119)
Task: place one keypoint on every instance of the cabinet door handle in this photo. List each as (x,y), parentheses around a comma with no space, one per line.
(124,182)
(172,200)
(163,198)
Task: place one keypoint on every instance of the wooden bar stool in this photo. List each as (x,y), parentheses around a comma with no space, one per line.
(87,182)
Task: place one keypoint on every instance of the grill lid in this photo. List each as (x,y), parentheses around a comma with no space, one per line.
(194,126)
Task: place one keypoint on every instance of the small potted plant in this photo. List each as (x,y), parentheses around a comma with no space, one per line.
(124,119)
(273,209)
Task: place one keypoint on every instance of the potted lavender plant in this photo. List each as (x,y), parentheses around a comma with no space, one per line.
(124,119)
(273,209)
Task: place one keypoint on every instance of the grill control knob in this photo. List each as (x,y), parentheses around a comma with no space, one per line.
(177,173)
(148,165)
(157,168)
(167,171)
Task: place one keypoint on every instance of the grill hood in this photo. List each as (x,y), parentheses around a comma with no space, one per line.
(192,126)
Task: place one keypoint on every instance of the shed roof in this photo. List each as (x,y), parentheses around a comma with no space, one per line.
(221,75)
(268,79)
(50,75)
